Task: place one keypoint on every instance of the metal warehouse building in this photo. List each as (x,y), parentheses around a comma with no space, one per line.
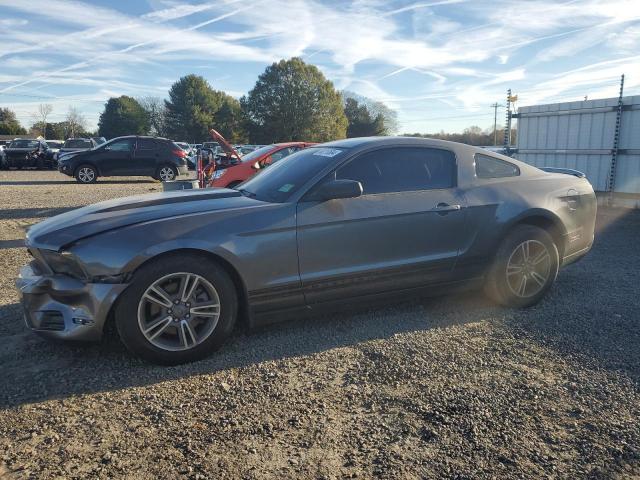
(598,137)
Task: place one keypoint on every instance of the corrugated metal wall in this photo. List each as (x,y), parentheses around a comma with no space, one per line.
(580,135)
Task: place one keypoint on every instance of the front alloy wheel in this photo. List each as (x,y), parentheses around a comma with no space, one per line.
(179,311)
(86,174)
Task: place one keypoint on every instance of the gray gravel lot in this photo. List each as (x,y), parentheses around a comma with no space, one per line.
(439,388)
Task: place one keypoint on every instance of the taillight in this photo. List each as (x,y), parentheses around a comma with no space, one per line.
(180,153)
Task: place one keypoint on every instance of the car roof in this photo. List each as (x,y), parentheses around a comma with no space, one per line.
(381,141)
(289,144)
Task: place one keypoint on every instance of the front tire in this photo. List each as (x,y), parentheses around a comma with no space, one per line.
(177,310)
(86,174)
(524,268)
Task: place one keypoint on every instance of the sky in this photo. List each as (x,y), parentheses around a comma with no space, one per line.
(441,64)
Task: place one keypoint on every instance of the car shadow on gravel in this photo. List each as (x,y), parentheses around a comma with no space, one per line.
(591,314)
(35,369)
(14,213)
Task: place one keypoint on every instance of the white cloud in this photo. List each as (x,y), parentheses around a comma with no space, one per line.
(469,52)
(13,22)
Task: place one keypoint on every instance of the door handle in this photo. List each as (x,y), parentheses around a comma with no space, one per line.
(443,208)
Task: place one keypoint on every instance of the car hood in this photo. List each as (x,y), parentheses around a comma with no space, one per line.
(57,232)
(70,150)
(19,150)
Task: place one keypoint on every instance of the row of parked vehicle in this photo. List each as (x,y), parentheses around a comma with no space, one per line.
(41,153)
(87,159)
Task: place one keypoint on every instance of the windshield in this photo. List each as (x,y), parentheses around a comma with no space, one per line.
(53,144)
(78,143)
(256,154)
(282,179)
(24,144)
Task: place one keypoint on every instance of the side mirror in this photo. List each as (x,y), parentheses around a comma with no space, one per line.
(256,166)
(335,189)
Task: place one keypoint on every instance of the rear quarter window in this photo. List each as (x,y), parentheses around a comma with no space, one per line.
(490,167)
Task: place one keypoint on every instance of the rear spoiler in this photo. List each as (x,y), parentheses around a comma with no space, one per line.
(566,171)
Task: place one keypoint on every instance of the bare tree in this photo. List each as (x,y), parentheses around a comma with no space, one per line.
(76,122)
(157,111)
(44,110)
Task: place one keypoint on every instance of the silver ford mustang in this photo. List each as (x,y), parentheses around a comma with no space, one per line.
(350,220)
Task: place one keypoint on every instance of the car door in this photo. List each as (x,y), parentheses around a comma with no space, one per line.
(115,157)
(146,157)
(404,231)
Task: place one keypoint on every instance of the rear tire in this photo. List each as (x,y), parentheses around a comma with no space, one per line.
(167,173)
(86,174)
(524,268)
(176,327)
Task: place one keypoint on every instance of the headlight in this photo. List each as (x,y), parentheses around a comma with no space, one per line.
(64,263)
(65,156)
(219,173)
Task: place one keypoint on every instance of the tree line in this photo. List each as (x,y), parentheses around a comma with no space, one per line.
(291,100)
(472,136)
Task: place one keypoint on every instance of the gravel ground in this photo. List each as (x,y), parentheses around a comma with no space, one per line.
(440,388)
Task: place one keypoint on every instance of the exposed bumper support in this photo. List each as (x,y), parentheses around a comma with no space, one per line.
(62,307)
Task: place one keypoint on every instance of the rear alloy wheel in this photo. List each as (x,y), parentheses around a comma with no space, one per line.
(525,267)
(86,174)
(177,310)
(167,174)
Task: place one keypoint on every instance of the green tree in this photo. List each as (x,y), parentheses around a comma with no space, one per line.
(361,122)
(9,124)
(157,113)
(294,101)
(375,108)
(230,121)
(64,130)
(123,116)
(191,109)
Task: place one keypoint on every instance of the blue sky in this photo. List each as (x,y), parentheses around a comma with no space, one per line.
(440,64)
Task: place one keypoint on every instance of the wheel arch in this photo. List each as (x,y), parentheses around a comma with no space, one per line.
(541,218)
(225,264)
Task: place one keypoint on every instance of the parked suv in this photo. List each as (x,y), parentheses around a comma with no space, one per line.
(159,158)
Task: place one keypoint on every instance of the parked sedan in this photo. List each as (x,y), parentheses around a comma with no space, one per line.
(251,163)
(155,157)
(352,220)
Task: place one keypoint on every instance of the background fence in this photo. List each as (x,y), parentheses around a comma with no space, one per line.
(582,136)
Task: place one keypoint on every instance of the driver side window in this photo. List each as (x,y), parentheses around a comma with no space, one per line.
(401,169)
(120,146)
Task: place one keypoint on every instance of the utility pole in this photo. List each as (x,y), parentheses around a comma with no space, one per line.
(616,143)
(495,123)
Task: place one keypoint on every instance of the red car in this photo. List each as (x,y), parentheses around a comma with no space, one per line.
(252,162)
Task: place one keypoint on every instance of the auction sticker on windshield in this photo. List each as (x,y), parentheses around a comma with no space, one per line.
(286,187)
(327,152)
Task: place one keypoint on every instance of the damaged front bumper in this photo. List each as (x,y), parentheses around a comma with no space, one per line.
(63,307)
